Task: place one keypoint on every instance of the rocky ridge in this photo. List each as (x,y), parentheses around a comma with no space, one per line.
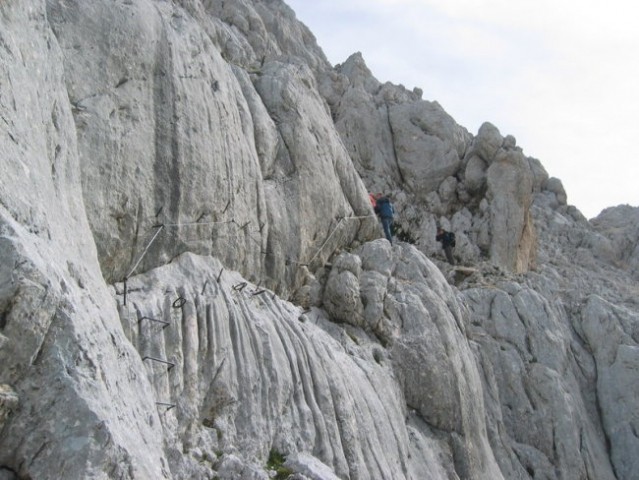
(192,278)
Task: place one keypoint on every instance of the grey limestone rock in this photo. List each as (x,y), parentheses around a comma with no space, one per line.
(428,144)
(475,174)
(534,367)
(540,176)
(8,403)
(341,297)
(510,192)
(613,335)
(301,370)
(400,142)
(620,227)
(311,468)
(181,149)
(428,348)
(175,171)
(488,142)
(555,186)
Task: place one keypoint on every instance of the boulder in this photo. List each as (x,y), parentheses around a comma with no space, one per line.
(428,145)
(510,184)
(475,174)
(487,142)
(555,186)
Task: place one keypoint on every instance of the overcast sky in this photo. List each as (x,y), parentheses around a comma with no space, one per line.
(561,76)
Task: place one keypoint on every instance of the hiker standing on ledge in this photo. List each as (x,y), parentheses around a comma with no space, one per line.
(384,208)
(448,243)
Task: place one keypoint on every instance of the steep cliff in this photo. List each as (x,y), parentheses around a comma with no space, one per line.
(193,283)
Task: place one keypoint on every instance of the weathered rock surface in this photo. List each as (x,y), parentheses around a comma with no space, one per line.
(178,135)
(8,402)
(208,154)
(535,370)
(510,192)
(613,336)
(620,228)
(252,372)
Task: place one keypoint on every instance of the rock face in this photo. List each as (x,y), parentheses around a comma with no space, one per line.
(177,135)
(193,283)
(619,227)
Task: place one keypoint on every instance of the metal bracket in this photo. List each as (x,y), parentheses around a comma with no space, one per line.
(163,322)
(170,364)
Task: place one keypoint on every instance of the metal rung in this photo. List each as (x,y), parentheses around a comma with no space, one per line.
(168,405)
(170,364)
(240,286)
(163,322)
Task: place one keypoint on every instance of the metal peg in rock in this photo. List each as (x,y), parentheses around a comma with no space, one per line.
(179,302)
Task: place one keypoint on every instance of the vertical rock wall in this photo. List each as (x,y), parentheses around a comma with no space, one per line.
(176,134)
(538,379)
(81,400)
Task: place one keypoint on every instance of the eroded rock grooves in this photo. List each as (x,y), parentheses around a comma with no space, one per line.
(193,283)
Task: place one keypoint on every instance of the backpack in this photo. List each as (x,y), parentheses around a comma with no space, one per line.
(384,208)
(449,238)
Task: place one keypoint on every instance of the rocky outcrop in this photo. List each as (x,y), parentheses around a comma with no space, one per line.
(176,172)
(481,187)
(619,227)
(510,192)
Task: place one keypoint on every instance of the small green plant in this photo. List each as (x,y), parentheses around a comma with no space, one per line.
(276,463)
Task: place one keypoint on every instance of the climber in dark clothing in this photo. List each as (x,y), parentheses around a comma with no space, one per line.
(384,208)
(448,243)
